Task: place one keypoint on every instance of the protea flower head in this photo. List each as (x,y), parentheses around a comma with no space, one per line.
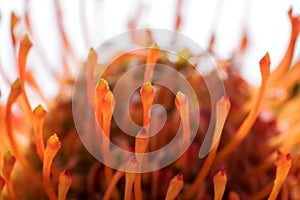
(253,152)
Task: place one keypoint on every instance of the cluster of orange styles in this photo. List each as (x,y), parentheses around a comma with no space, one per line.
(256,157)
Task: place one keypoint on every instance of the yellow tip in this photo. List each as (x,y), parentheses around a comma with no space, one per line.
(8,155)
(180,96)
(147,87)
(53,141)
(92,51)
(26,41)
(265,66)
(109,97)
(102,84)
(40,111)
(16,84)
(154,45)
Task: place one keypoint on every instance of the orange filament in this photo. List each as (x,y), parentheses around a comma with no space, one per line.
(147,96)
(108,104)
(152,57)
(9,162)
(2,184)
(211,42)
(65,41)
(22,58)
(220,121)
(286,61)
(178,15)
(285,147)
(129,181)
(91,65)
(131,165)
(14,21)
(287,116)
(30,79)
(112,185)
(107,110)
(220,180)
(275,141)
(244,43)
(182,105)
(39,115)
(283,165)
(53,145)
(291,121)
(63,34)
(223,107)
(101,90)
(290,79)
(141,146)
(64,184)
(141,53)
(251,117)
(216,21)
(138,194)
(13,95)
(175,186)
(294,138)
(141,142)
(27,18)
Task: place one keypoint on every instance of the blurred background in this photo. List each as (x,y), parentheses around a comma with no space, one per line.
(87,23)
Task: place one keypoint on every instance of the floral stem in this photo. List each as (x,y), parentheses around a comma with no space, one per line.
(64,184)
(131,166)
(220,121)
(250,119)
(112,185)
(175,186)
(220,180)
(283,166)
(22,58)
(9,162)
(14,94)
(53,145)
(152,57)
(108,107)
(141,146)
(39,115)
(91,65)
(286,61)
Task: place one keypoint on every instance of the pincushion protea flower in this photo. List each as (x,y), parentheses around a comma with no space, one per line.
(257,157)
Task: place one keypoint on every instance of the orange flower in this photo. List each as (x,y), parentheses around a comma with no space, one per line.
(251,126)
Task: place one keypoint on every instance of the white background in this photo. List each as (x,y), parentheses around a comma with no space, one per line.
(267,23)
